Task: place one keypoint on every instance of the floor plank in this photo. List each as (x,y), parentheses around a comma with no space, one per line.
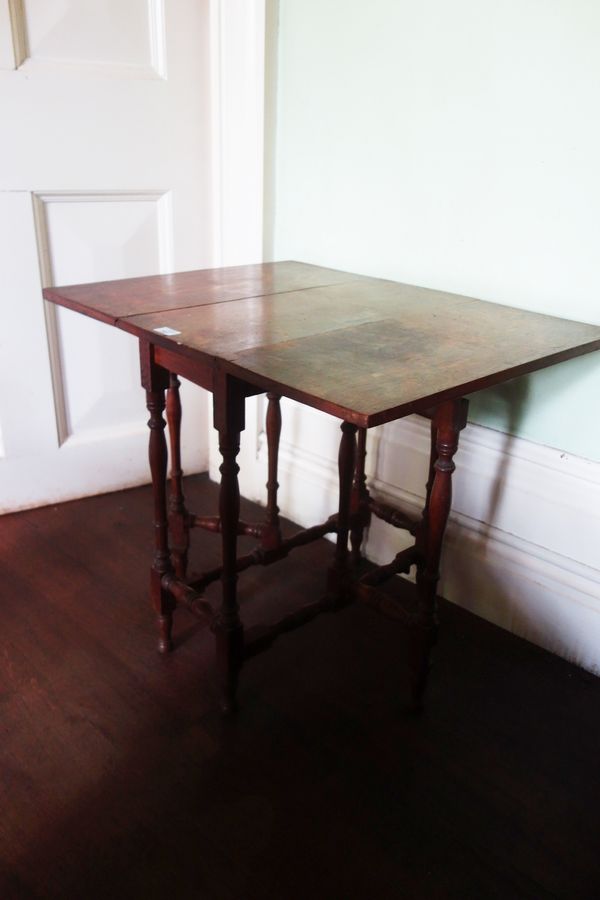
(120,779)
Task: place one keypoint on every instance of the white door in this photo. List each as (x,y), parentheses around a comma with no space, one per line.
(105,172)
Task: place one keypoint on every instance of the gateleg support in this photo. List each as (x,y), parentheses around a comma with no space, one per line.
(228,404)
(339,574)
(155,380)
(449,418)
(359,502)
(271,529)
(179,526)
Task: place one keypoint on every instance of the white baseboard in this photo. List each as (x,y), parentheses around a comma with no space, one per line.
(523,538)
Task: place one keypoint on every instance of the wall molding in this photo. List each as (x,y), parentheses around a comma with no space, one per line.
(521,548)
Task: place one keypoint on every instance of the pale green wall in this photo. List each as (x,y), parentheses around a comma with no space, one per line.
(454,145)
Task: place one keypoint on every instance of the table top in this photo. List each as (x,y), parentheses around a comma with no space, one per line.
(364,349)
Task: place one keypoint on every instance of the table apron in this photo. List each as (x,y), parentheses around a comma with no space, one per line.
(200,373)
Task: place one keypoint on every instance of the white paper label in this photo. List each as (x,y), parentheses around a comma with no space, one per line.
(169,332)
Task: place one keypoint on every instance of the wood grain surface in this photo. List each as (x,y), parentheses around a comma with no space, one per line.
(121,780)
(109,301)
(367,350)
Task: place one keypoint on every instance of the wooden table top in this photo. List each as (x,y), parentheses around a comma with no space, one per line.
(364,349)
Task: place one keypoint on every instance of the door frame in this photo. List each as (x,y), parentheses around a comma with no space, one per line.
(243,41)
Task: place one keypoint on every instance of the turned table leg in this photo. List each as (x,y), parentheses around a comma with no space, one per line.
(433,455)
(359,501)
(449,419)
(178,521)
(155,380)
(338,579)
(271,532)
(228,629)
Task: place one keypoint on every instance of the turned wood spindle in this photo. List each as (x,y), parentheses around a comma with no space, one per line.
(346,464)
(161,563)
(449,419)
(178,516)
(359,503)
(228,629)
(433,453)
(271,531)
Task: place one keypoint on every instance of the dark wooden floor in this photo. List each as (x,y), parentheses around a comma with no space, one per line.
(120,779)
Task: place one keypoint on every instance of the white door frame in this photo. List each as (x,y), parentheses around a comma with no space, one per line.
(241,81)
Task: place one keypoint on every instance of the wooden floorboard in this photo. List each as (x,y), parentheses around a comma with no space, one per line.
(120,779)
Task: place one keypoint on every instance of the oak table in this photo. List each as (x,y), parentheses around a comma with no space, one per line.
(365,350)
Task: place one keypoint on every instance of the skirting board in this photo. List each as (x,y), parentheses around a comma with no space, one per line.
(523,537)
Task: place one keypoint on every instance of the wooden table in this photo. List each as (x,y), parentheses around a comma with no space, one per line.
(365,350)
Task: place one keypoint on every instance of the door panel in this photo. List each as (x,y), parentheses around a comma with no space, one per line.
(84,237)
(92,32)
(105,172)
